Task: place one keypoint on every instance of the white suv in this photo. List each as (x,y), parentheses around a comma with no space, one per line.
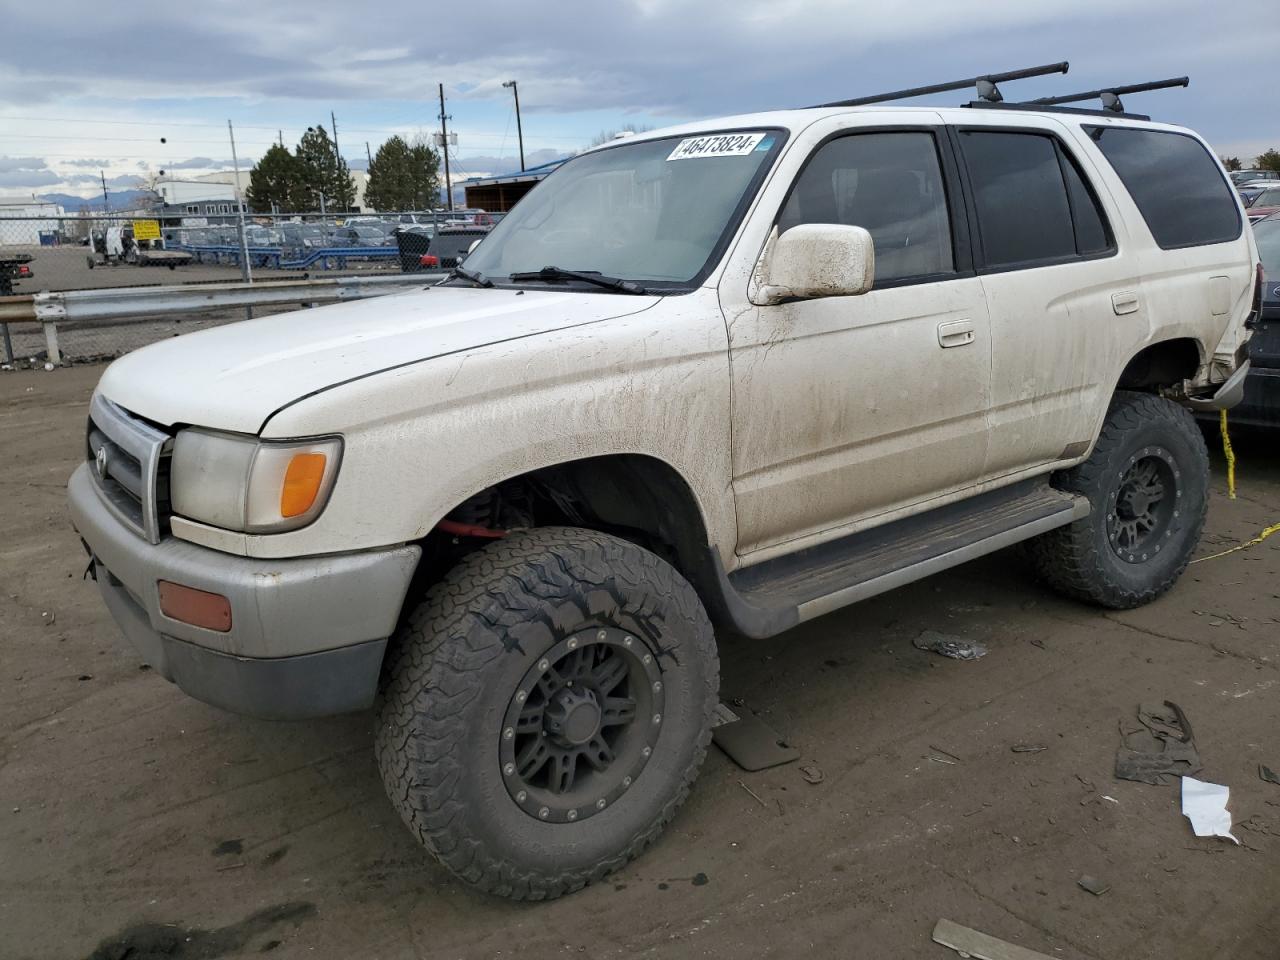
(739,373)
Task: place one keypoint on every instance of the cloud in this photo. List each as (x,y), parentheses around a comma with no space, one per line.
(16,164)
(502,164)
(26,179)
(124,181)
(87,163)
(199,163)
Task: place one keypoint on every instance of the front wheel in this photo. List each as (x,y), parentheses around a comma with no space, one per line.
(1148,482)
(546,709)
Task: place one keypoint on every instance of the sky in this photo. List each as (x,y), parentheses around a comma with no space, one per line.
(133,89)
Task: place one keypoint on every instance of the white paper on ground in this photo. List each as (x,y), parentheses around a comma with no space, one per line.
(1205,805)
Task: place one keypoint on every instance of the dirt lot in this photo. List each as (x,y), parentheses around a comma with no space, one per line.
(129,812)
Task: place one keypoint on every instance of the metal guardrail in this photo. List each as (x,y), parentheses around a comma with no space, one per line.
(115,303)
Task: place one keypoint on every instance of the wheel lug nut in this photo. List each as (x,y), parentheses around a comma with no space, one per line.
(647,751)
(543,664)
(573,643)
(601,635)
(647,658)
(573,814)
(522,796)
(657,718)
(520,696)
(509,769)
(657,686)
(600,804)
(626,781)
(508,733)
(543,813)
(626,641)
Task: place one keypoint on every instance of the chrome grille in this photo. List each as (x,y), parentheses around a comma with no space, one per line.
(129,459)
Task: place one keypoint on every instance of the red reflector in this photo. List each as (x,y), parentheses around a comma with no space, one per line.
(24,271)
(196,607)
(429,260)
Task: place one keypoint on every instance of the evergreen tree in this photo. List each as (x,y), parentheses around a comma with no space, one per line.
(403,177)
(276,180)
(324,173)
(1269,160)
(1231,163)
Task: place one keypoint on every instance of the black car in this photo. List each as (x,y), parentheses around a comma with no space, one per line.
(1261,403)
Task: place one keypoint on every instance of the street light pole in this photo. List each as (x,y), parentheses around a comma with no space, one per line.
(519,130)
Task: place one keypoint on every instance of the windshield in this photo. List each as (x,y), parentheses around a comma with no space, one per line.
(653,211)
(1267,234)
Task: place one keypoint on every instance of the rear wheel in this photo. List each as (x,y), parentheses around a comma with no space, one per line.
(1148,482)
(546,709)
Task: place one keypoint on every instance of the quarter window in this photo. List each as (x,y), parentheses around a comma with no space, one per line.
(1177,186)
(891,185)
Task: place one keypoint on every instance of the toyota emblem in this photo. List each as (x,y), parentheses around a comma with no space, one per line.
(1276,293)
(100,461)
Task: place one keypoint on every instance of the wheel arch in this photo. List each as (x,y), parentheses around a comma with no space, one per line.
(1165,363)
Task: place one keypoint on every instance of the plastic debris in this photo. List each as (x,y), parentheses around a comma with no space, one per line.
(811,773)
(1093,885)
(1161,749)
(957,648)
(972,943)
(1205,805)
(1027,748)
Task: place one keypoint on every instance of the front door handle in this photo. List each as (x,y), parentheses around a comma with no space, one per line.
(955,333)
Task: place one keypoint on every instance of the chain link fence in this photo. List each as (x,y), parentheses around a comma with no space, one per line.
(93,251)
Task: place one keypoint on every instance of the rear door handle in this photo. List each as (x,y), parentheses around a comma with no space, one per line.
(1126,302)
(955,333)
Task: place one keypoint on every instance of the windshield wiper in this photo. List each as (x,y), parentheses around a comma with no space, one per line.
(550,274)
(475,276)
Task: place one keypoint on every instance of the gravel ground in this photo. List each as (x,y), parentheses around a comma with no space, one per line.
(133,818)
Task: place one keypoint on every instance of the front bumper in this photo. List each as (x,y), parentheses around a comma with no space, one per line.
(307,635)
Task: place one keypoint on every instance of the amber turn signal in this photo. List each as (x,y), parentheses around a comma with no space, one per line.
(302,482)
(196,607)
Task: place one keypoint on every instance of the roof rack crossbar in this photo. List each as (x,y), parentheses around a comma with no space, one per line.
(1110,96)
(985,84)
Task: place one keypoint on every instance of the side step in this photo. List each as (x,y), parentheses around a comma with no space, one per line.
(770,597)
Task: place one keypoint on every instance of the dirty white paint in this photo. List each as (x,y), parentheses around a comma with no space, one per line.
(792,422)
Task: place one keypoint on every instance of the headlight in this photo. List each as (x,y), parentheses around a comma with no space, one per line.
(256,486)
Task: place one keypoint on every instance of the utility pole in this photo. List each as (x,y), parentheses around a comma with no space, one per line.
(519,130)
(280,137)
(245,270)
(106,204)
(337,154)
(444,146)
(368,156)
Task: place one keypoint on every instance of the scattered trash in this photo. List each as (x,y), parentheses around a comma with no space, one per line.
(84,676)
(950,763)
(1205,805)
(757,796)
(1093,885)
(811,773)
(1164,748)
(971,943)
(1027,748)
(1110,799)
(947,753)
(1266,773)
(957,648)
(749,741)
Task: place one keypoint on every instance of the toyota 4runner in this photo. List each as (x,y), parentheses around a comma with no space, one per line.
(729,377)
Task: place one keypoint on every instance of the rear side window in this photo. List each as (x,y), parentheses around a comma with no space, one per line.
(1177,186)
(1032,202)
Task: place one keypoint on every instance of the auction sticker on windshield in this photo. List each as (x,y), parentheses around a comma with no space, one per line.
(719,145)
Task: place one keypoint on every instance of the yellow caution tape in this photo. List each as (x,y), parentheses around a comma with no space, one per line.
(1229,454)
(1274,528)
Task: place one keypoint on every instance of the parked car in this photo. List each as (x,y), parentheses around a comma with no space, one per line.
(1261,403)
(1263,203)
(1241,177)
(730,375)
(364,235)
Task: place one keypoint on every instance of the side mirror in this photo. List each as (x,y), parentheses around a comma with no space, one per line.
(816,260)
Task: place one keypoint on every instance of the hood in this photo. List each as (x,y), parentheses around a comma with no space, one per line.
(236,376)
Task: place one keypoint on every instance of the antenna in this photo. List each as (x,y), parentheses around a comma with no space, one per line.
(1110,96)
(985,85)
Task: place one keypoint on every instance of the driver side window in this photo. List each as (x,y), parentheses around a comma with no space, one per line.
(891,185)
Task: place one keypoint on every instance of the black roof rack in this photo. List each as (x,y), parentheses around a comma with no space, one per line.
(1050,108)
(1110,96)
(985,84)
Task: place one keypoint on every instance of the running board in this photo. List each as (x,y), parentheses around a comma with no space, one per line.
(767,598)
